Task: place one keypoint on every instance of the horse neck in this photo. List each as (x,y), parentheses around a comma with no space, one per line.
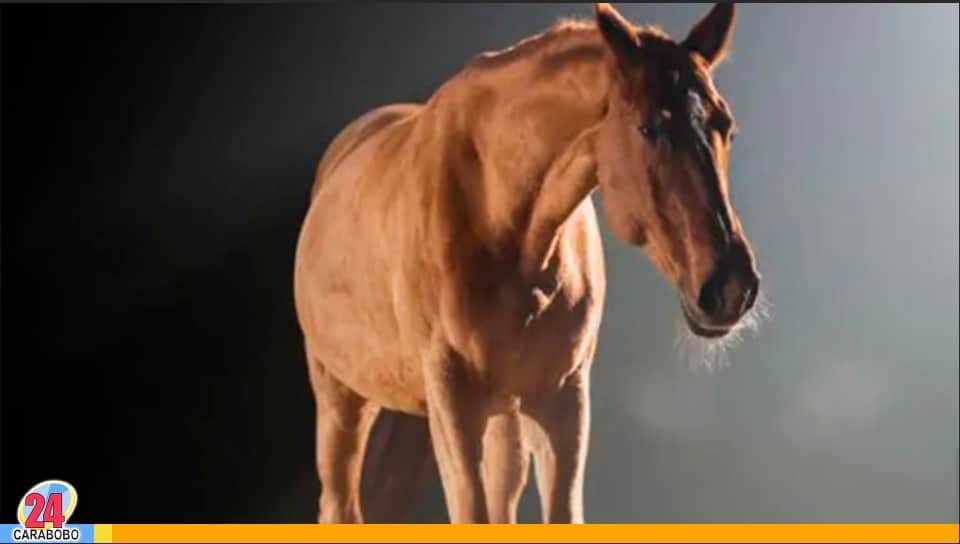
(516,119)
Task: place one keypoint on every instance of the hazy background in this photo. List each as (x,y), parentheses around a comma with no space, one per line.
(156,165)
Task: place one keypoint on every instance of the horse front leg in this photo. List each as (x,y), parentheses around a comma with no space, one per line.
(506,461)
(457,417)
(560,448)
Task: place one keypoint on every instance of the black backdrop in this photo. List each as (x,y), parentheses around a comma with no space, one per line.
(156,165)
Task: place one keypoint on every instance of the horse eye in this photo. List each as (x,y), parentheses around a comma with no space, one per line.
(649,132)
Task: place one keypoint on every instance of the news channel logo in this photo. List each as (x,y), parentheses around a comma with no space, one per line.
(43,513)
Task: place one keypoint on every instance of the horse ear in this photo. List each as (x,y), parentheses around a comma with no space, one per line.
(619,34)
(712,36)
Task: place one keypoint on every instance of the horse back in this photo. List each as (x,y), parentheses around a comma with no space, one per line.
(357,132)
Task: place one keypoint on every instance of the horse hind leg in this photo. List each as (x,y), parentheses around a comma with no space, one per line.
(398,458)
(506,462)
(343,425)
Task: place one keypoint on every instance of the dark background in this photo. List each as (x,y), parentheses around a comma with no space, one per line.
(156,163)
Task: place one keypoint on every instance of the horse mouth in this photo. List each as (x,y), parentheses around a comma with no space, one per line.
(698,328)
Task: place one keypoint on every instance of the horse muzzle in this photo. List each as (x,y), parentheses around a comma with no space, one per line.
(729,292)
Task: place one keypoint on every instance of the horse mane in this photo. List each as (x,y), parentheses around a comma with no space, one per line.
(564,28)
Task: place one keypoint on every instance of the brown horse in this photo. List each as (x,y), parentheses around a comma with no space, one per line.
(450,265)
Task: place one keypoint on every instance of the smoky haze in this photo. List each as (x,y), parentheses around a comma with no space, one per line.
(157,162)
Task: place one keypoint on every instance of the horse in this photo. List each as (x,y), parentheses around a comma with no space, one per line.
(450,264)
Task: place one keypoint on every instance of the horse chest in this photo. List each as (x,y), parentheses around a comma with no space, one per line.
(522,338)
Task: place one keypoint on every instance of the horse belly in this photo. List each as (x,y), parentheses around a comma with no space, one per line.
(366,357)
(345,302)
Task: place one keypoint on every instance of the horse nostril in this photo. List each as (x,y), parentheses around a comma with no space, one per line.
(731,289)
(710,300)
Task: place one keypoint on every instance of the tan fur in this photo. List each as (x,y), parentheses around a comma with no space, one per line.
(450,266)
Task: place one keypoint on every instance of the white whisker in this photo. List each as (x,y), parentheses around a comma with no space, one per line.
(713,354)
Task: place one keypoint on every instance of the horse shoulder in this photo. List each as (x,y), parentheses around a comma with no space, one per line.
(518,333)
